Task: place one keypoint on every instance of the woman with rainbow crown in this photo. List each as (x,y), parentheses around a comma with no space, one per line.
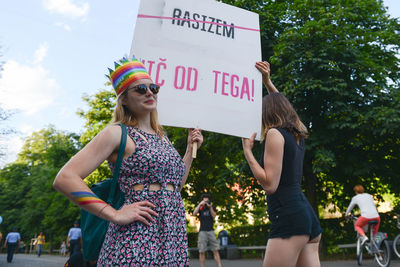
(150,228)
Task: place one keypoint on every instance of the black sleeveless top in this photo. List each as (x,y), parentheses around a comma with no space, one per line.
(292,166)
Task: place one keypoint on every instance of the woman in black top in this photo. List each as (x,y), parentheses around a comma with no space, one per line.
(295,230)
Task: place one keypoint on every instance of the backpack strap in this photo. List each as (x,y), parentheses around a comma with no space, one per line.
(117,166)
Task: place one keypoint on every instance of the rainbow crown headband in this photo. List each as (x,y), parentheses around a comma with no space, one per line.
(126,72)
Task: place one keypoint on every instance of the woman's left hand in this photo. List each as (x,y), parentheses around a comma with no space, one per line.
(195,136)
(264,68)
(248,143)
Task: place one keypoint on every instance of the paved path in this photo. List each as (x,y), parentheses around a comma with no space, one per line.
(24,260)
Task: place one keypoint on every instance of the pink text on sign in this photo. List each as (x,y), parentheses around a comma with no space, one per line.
(233,85)
(186,77)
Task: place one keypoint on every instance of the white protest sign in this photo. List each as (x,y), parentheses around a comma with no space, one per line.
(202,53)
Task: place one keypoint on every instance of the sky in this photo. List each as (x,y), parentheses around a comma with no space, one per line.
(56,51)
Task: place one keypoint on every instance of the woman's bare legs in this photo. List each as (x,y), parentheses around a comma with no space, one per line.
(309,256)
(284,252)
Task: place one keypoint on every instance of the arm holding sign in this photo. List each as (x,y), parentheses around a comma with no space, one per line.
(269,176)
(194,136)
(265,70)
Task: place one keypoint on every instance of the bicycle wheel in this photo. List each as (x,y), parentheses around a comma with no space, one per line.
(359,252)
(396,245)
(383,256)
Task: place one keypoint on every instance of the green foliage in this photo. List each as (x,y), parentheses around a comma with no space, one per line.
(13,188)
(250,235)
(27,198)
(192,239)
(101,107)
(336,62)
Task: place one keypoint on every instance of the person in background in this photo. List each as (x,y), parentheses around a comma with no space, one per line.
(40,242)
(12,242)
(63,249)
(206,238)
(21,246)
(368,212)
(74,238)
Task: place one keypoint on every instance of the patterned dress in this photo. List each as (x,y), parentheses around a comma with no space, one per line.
(164,242)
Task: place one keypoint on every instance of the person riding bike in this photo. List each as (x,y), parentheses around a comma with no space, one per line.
(368,212)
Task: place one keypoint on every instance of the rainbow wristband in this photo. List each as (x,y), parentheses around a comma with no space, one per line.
(84,198)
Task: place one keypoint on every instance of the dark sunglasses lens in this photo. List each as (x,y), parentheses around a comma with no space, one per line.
(141,89)
(154,88)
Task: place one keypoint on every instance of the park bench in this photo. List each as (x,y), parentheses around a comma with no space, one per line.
(353,245)
(344,247)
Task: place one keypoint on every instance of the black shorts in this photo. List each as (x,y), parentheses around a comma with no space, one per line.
(292,215)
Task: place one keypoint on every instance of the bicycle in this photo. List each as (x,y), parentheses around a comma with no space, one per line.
(396,241)
(377,246)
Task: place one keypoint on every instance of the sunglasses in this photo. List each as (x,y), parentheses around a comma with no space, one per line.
(142,88)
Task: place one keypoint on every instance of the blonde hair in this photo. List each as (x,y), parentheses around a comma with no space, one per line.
(278,112)
(123,115)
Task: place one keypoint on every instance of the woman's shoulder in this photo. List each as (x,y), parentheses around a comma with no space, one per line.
(274,131)
(111,130)
(287,133)
(275,135)
(111,134)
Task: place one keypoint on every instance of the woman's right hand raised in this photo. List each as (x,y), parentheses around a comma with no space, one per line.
(138,211)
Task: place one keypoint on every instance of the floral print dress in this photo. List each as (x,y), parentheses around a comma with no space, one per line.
(164,242)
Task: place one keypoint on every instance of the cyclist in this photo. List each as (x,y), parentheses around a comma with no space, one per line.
(368,212)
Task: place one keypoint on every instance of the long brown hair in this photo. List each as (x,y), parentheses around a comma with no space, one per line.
(278,112)
(123,115)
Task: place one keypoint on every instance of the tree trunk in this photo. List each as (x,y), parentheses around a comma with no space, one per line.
(310,186)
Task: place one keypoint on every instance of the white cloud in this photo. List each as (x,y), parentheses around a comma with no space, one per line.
(13,146)
(40,53)
(66,112)
(27,87)
(26,129)
(64,26)
(67,8)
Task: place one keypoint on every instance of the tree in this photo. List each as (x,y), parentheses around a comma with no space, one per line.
(336,62)
(101,107)
(4,129)
(4,116)
(26,186)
